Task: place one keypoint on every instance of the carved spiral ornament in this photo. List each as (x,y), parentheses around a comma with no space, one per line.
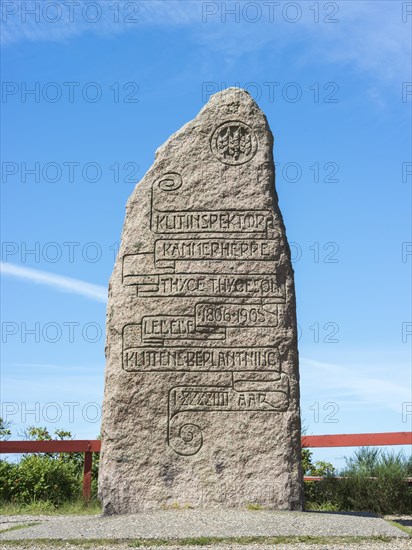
(170,181)
(188,440)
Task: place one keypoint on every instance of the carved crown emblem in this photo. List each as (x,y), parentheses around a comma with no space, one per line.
(234,142)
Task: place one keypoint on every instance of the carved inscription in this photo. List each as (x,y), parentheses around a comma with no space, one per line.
(214,262)
(206,285)
(187,439)
(167,327)
(236,315)
(215,221)
(216,249)
(185,359)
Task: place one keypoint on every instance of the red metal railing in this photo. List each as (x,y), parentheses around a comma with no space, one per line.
(86,446)
(93,446)
(357,440)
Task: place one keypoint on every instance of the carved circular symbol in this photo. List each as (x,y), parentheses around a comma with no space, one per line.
(188,440)
(170,181)
(234,143)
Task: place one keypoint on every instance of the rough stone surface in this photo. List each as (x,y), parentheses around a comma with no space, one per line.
(201,404)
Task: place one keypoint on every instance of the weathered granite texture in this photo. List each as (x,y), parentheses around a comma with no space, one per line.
(201,404)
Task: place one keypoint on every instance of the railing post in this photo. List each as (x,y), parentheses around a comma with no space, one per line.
(87,475)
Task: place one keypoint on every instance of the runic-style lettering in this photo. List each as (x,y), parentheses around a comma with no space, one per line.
(201,359)
(205,398)
(163,326)
(183,284)
(216,249)
(232,221)
(236,315)
(220,285)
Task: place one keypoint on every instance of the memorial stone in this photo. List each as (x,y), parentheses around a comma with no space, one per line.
(201,402)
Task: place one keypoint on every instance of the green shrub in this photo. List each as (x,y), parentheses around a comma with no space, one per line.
(319,468)
(39,477)
(7,478)
(386,493)
(5,431)
(55,478)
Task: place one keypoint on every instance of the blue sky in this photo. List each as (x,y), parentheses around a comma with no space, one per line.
(110,82)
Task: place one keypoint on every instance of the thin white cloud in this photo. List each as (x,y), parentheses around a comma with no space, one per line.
(370,37)
(59,282)
(336,382)
(35,21)
(367,37)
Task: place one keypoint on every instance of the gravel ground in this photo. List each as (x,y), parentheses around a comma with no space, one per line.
(398,544)
(175,524)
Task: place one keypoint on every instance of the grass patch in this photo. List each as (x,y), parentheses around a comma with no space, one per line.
(321,507)
(198,541)
(254,506)
(177,506)
(403,528)
(45,507)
